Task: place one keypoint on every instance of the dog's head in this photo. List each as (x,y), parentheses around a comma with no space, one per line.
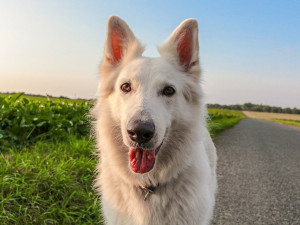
(149,96)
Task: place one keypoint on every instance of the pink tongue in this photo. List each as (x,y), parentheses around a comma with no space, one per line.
(141,161)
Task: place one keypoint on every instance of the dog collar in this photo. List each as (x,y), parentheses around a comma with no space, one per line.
(147,190)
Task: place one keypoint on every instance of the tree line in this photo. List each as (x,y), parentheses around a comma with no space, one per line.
(255,107)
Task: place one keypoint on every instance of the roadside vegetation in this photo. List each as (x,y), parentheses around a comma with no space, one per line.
(222,119)
(47,163)
(288,119)
(295,123)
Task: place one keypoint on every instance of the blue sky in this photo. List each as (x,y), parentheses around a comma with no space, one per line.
(249,50)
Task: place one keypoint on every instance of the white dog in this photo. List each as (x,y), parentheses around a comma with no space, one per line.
(157,161)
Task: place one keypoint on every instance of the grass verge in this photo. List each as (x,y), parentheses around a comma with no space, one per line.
(49,183)
(295,123)
(287,119)
(222,119)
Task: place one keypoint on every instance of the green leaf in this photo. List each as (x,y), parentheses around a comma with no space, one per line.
(15,97)
(41,124)
(25,100)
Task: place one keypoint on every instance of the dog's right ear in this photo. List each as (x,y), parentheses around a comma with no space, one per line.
(120,42)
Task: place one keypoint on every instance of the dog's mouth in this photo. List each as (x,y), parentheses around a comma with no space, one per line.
(142,160)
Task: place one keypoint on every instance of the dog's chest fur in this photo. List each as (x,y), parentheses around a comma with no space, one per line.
(182,201)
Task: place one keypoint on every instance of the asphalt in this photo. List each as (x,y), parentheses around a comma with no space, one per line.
(258,174)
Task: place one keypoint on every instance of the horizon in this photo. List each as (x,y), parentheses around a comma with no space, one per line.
(249,51)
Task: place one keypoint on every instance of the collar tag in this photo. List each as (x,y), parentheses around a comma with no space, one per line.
(148,190)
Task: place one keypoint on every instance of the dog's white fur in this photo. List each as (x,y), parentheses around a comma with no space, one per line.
(186,162)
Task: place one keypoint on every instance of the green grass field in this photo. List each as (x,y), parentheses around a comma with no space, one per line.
(47,165)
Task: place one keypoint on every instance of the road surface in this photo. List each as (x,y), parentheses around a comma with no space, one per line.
(258,174)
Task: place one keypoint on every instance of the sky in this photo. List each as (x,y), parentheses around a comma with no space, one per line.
(249,50)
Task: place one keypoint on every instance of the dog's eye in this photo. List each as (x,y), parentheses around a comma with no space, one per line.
(168,91)
(126,87)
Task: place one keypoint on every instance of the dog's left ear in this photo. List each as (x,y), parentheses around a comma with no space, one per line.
(182,47)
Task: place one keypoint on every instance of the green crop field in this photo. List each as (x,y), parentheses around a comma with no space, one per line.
(45,98)
(47,164)
(24,121)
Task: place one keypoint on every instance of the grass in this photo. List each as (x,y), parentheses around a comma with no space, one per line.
(49,180)
(287,119)
(295,123)
(222,119)
(49,183)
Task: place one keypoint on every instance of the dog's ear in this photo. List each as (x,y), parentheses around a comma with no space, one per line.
(182,47)
(120,42)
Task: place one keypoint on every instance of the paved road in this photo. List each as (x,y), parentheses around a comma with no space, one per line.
(258,174)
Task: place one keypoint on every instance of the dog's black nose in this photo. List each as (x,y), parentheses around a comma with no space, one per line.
(140,131)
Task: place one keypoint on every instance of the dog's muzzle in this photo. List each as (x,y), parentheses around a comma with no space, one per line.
(142,154)
(141,132)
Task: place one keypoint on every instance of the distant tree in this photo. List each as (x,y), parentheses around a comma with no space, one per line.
(275,109)
(295,111)
(287,110)
(266,108)
(63,97)
(255,107)
(247,106)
